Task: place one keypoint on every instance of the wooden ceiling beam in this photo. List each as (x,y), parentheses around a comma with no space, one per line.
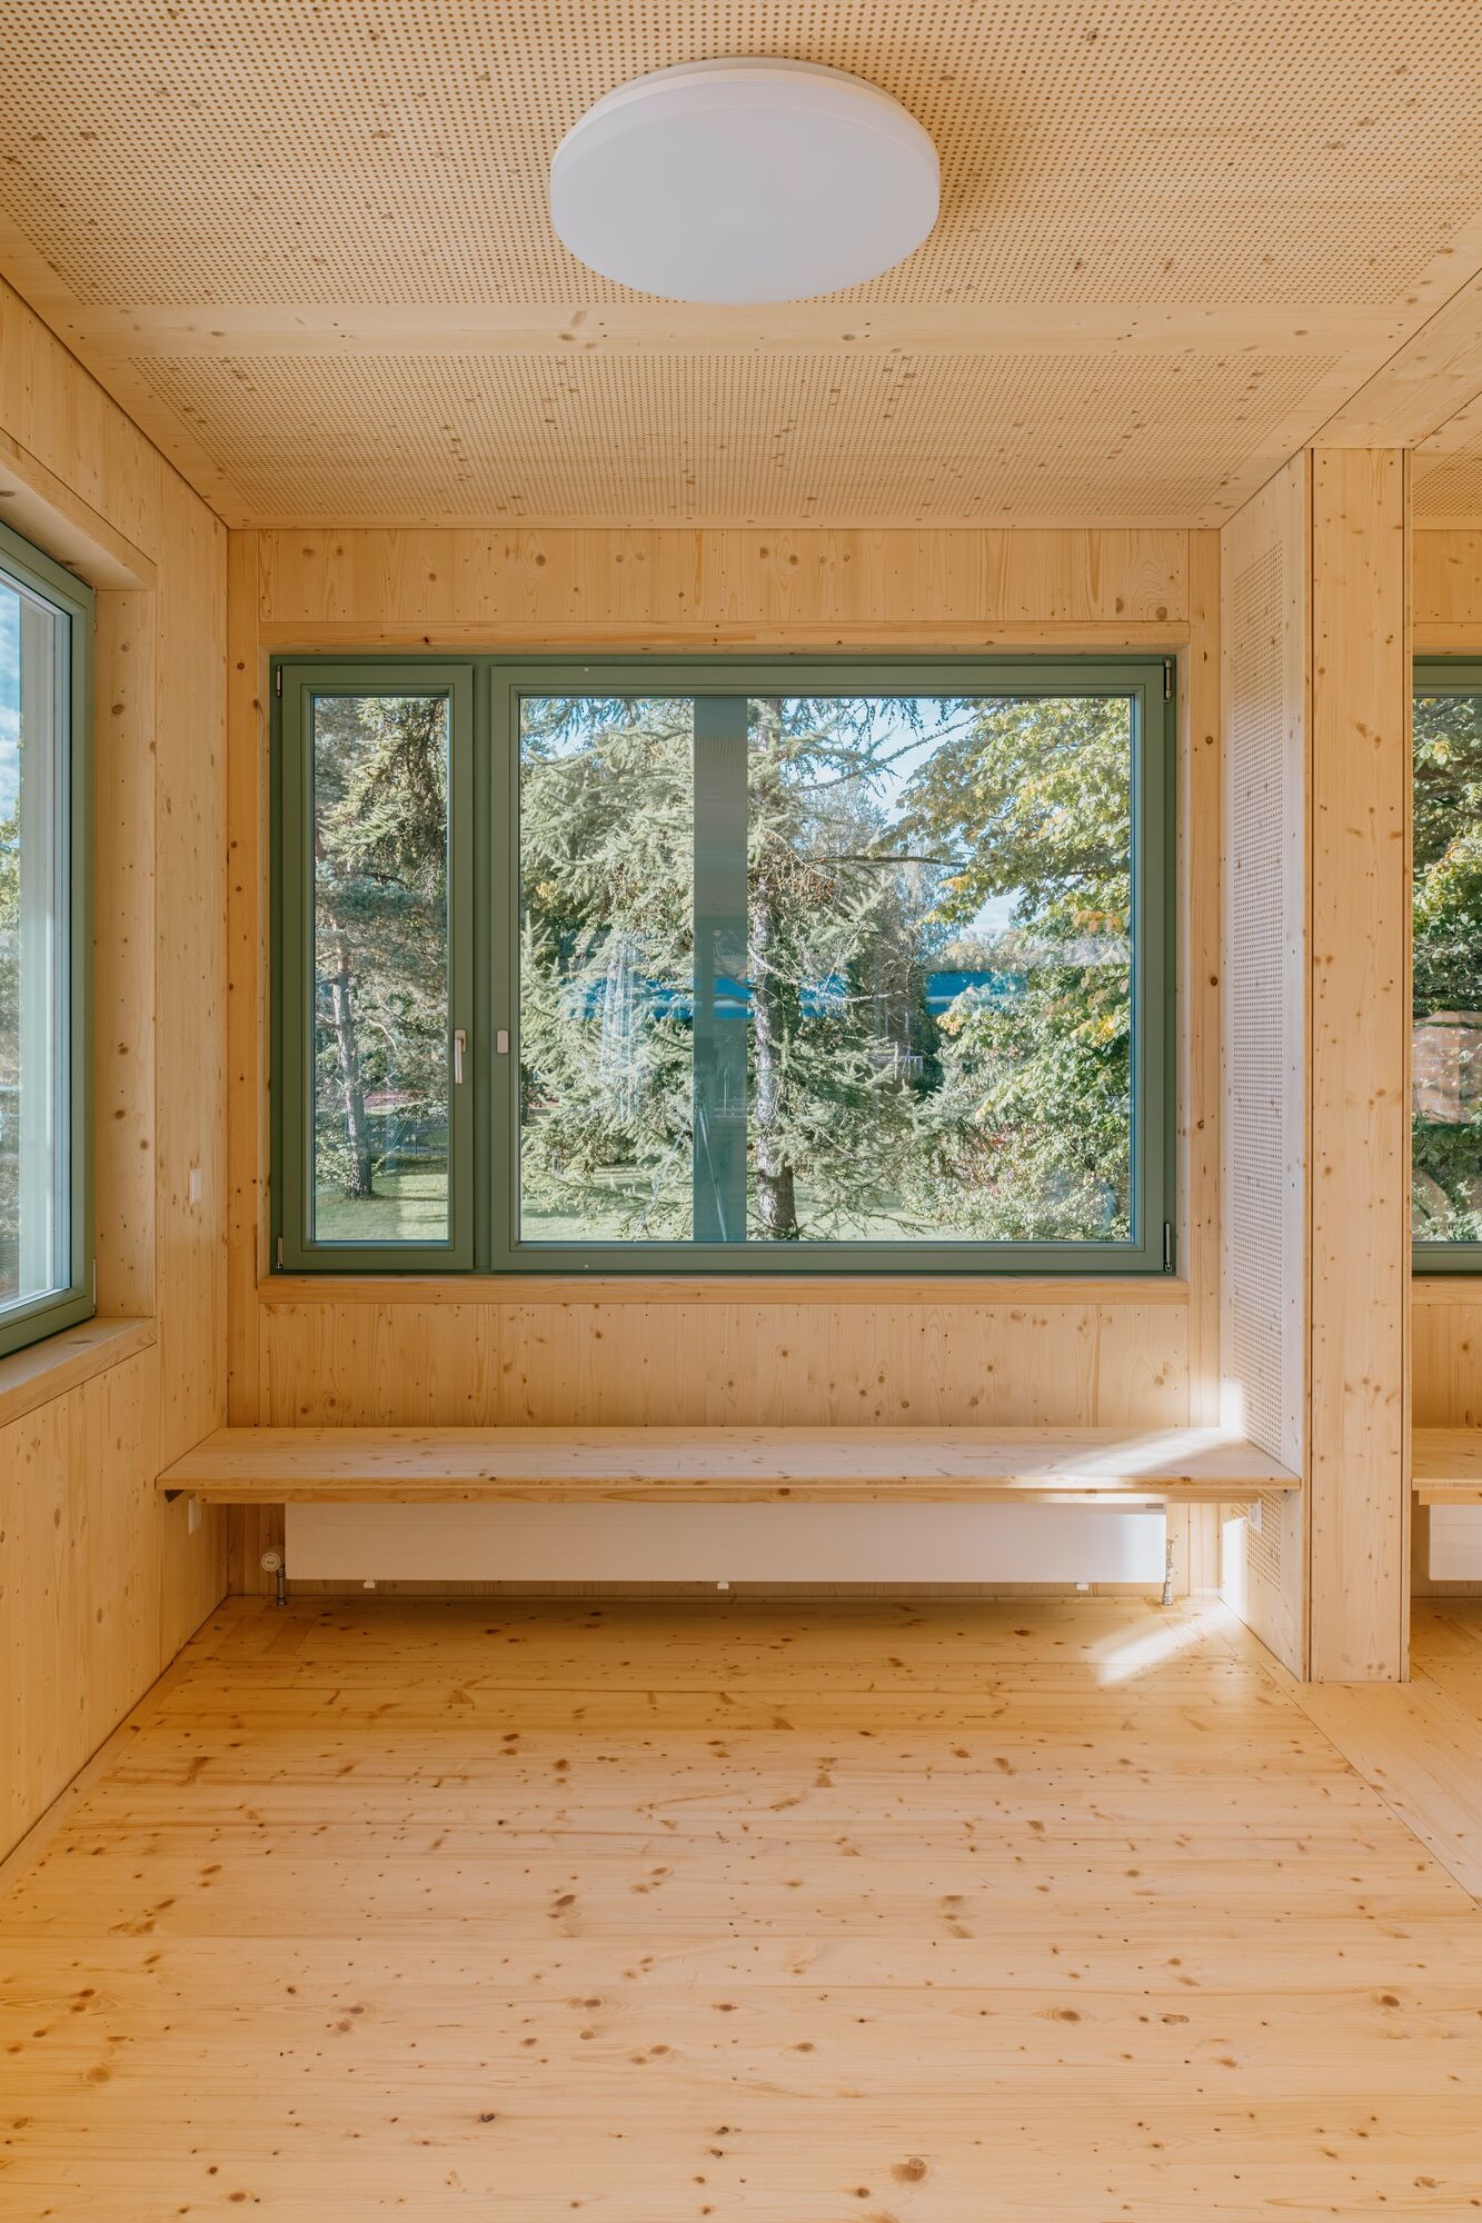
(144,331)
(1426,384)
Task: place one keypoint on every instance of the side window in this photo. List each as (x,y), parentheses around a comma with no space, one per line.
(45,1233)
(1446,1044)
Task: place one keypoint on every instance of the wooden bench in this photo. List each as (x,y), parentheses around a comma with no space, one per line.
(1447,1466)
(1096,1466)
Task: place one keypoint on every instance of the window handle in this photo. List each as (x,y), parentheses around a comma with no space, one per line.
(501,1042)
(460,1043)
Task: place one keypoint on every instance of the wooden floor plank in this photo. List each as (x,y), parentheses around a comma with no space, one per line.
(1422,1753)
(652,1913)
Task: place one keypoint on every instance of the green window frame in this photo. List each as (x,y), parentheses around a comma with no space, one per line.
(1444,1057)
(64,605)
(484,914)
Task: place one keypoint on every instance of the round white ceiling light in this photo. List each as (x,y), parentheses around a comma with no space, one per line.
(757,179)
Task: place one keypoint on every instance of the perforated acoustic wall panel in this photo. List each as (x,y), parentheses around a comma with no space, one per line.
(309,247)
(1265,626)
(1258,929)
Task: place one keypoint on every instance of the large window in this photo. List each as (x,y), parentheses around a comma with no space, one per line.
(45,1246)
(1446,1050)
(657,966)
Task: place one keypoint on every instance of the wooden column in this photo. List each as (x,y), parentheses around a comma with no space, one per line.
(1359,1072)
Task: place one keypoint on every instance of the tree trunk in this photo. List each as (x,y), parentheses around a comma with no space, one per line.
(776,1196)
(361,1179)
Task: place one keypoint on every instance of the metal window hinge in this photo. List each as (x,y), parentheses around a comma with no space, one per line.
(277,679)
(1167,679)
(279,1254)
(1168,1246)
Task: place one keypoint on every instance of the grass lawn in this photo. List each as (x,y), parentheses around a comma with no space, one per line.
(406,1208)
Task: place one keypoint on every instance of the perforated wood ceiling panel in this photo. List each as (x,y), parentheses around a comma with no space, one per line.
(820,440)
(1128,150)
(1293,181)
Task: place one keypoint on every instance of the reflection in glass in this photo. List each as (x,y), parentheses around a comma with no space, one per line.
(1446,1073)
(381,1068)
(34,961)
(607,834)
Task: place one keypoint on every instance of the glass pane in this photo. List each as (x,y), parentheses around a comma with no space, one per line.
(607,952)
(381,954)
(34,958)
(939,925)
(1446,1079)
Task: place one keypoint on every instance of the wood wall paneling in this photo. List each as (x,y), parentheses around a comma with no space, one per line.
(102,1581)
(1195,1531)
(487,1364)
(1446,1353)
(190,958)
(1358,1475)
(1317,652)
(246,1003)
(53,412)
(1110,1355)
(783,588)
(1200,1075)
(1446,574)
(124,1091)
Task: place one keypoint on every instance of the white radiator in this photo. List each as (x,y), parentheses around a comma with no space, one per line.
(1456,1543)
(724,1543)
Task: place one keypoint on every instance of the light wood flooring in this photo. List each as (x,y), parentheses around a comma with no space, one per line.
(778,1914)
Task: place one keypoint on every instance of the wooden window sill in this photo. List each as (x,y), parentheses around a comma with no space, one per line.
(49,1369)
(720,1289)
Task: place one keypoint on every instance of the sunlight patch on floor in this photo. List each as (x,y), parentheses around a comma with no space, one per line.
(1130,1653)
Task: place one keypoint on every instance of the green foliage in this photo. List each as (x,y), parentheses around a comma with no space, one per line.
(836,966)
(879,1105)
(381,932)
(1009,1119)
(606,964)
(1032,1124)
(1447,1153)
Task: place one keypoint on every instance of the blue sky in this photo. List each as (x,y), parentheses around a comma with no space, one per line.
(904,740)
(910,746)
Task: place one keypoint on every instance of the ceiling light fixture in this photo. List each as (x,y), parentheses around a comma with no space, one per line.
(758,179)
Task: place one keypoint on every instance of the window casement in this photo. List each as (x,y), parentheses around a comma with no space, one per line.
(1446,1041)
(46,624)
(733,965)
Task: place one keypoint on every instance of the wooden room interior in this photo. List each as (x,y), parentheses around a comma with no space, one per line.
(906,1732)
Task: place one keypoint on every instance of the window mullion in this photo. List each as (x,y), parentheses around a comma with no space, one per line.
(721,1005)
